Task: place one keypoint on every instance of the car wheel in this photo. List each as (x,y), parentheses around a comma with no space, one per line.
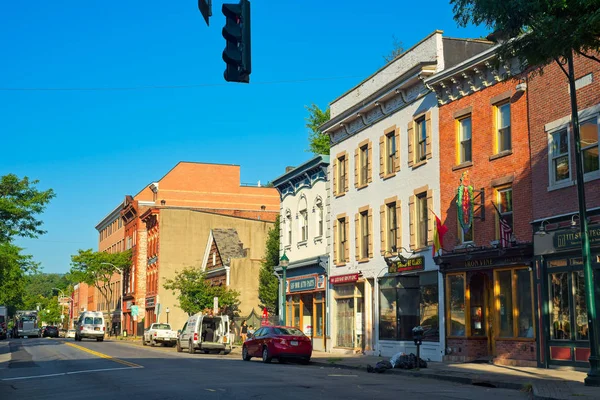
(245,355)
(265,355)
(152,343)
(144,343)
(191,349)
(179,349)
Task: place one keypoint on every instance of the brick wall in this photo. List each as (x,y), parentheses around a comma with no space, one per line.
(549,100)
(515,350)
(468,349)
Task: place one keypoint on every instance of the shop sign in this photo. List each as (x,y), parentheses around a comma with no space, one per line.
(150,302)
(568,239)
(412,264)
(303,284)
(494,262)
(128,305)
(337,280)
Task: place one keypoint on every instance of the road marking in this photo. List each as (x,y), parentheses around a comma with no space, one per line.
(342,375)
(102,355)
(211,390)
(87,371)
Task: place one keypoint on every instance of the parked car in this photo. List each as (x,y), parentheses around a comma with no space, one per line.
(90,325)
(280,342)
(70,333)
(159,333)
(50,331)
(205,333)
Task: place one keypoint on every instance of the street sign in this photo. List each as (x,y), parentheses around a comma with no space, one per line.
(134,311)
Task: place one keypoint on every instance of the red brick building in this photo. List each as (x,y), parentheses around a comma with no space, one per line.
(559,280)
(485,200)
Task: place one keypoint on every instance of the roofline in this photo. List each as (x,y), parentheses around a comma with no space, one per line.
(320,159)
(107,218)
(222,215)
(478,58)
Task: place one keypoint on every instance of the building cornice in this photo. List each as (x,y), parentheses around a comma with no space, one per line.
(303,176)
(114,214)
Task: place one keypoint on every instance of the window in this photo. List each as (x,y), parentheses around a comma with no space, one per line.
(392,226)
(466,237)
(421,140)
(589,145)
(319,301)
(288,226)
(559,157)
(514,303)
(464,135)
(581,317)
(456,300)
(363,172)
(422,220)
(304,225)
(341,175)
(319,211)
(390,152)
(503,138)
(341,242)
(364,234)
(505,206)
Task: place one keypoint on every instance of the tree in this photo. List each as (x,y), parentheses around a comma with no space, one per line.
(318,143)
(268,284)
(397,49)
(14,268)
(196,294)
(97,268)
(20,203)
(539,32)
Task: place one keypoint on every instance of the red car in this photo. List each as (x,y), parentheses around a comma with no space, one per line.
(280,342)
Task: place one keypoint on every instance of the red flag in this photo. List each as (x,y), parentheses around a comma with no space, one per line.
(438,237)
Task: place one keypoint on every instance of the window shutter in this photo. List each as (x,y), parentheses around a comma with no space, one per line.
(431,218)
(381,155)
(411,140)
(346,163)
(411,219)
(370,232)
(428,150)
(335,241)
(347,246)
(382,228)
(370,165)
(398,225)
(398,147)
(335,167)
(356,162)
(357,236)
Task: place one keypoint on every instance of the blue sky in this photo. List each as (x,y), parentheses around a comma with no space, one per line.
(95,146)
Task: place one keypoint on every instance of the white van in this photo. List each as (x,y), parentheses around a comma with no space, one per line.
(205,333)
(90,325)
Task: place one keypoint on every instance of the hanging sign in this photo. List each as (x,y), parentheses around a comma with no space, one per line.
(349,278)
(464,202)
(570,238)
(411,264)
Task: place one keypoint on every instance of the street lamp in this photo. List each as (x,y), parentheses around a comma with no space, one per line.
(62,294)
(121,290)
(167,311)
(283,263)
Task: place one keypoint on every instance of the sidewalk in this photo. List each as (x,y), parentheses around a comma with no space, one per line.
(545,384)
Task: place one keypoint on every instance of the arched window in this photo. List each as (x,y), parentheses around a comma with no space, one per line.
(319,216)
(303,216)
(288,226)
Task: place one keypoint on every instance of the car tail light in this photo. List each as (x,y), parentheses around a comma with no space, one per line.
(154,333)
(224,339)
(283,342)
(195,336)
(81,328)
(103,329)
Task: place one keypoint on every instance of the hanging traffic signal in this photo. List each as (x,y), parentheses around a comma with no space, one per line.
(237,35)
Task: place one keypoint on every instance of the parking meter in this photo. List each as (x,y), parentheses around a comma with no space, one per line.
(418,332)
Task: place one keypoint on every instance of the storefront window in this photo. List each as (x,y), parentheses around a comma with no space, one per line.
(387,310)
(345,322)
(477,288)
(524,303)
(581,317)
(296,312)
(429,306)
(456,301)
(307,309)
(319,314)
(504,303)
(560,315)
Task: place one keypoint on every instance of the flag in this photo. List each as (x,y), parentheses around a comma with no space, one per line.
(505,229)
(438,234)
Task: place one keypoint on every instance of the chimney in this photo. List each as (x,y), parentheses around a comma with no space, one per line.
(288,169)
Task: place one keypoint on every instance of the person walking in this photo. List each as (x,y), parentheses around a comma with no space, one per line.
(244,331)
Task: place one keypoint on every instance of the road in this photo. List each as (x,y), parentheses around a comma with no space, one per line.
(64,369)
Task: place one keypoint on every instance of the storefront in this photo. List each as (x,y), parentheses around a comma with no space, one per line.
(560,287)
(349,311)
(489,310)
(409,297)
(150,316)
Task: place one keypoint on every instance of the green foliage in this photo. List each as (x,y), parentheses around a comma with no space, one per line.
(268,284)
(50,311)
(318,143)
(44,284)
(20,203)
(196,293)
(542,31)
(397,49)
(14,267)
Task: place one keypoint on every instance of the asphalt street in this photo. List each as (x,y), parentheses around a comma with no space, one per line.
(65,369)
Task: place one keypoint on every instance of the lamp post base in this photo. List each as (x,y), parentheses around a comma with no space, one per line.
(593,376)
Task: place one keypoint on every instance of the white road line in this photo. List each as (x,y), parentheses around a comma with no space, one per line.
(68,373)
(342,375)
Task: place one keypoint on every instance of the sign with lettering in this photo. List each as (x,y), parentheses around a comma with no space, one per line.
(571,238)
(412,264)
(495,262)
(302,284)
(337,280)
(150,302)
(134,310)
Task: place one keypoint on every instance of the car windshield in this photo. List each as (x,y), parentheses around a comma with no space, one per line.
(27,318)
(288,331)
(162,326)
(98,321)
(88,320)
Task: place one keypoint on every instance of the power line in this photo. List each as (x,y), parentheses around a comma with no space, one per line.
(153,87)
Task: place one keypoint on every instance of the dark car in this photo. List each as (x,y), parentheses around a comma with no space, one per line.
(50,331)
(280,342)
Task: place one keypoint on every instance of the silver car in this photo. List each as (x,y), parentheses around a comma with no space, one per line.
(90,325)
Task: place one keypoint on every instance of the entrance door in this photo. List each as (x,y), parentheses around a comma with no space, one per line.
(481,303)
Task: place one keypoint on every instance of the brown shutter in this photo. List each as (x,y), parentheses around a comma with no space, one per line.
(381,155)
(357,236)
(411,219)
(334,180)
(428,150)
(411,140)
(356,162)
(347,230)
(370,165)
(370,232)
(346,184)
(382,223)
(430,217)
(398,225)
(398,147)
(335,241)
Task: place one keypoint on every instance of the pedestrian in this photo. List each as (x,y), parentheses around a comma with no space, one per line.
(244,331)
(251,330)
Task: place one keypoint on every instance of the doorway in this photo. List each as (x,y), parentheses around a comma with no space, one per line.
(481,312)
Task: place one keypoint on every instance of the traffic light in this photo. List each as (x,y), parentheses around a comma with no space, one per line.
(237,34)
